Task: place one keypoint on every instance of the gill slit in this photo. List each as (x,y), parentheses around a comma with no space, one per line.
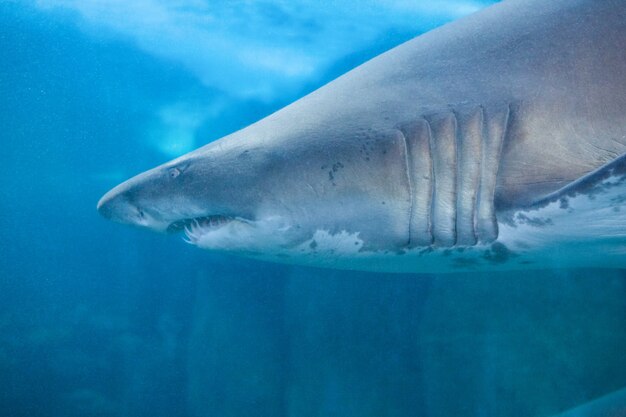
(409,177)
(433,182)
(500,146)
(479,190)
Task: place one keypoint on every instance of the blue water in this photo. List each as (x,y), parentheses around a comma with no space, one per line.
(97,319)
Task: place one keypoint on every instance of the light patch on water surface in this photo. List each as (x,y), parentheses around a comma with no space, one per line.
(173,133)
(258,49)
(442,9)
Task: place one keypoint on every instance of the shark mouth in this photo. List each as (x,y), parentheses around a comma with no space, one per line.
(196,227)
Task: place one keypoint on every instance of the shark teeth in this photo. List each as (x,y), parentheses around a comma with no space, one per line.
(195,228)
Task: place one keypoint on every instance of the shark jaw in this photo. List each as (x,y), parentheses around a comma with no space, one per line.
(235,234)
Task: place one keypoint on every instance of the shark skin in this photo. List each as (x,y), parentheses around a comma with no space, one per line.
(491,143)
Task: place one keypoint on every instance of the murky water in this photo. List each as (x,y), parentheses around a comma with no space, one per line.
(97,319)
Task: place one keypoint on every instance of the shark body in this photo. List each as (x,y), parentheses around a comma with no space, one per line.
(494,142)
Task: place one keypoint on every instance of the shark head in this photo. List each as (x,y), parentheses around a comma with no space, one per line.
(265,195)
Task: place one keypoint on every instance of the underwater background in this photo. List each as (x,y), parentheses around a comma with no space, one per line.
(97,319)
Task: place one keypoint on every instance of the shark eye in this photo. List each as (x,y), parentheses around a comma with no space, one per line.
(174,172)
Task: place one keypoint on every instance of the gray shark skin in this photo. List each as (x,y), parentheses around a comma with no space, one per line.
(491,143)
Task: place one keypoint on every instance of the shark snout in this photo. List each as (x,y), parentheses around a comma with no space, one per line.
(115,206)
(126,204)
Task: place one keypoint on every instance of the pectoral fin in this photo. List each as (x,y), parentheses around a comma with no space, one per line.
(583,224)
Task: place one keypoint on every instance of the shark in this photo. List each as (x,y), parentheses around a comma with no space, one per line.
(495,142)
